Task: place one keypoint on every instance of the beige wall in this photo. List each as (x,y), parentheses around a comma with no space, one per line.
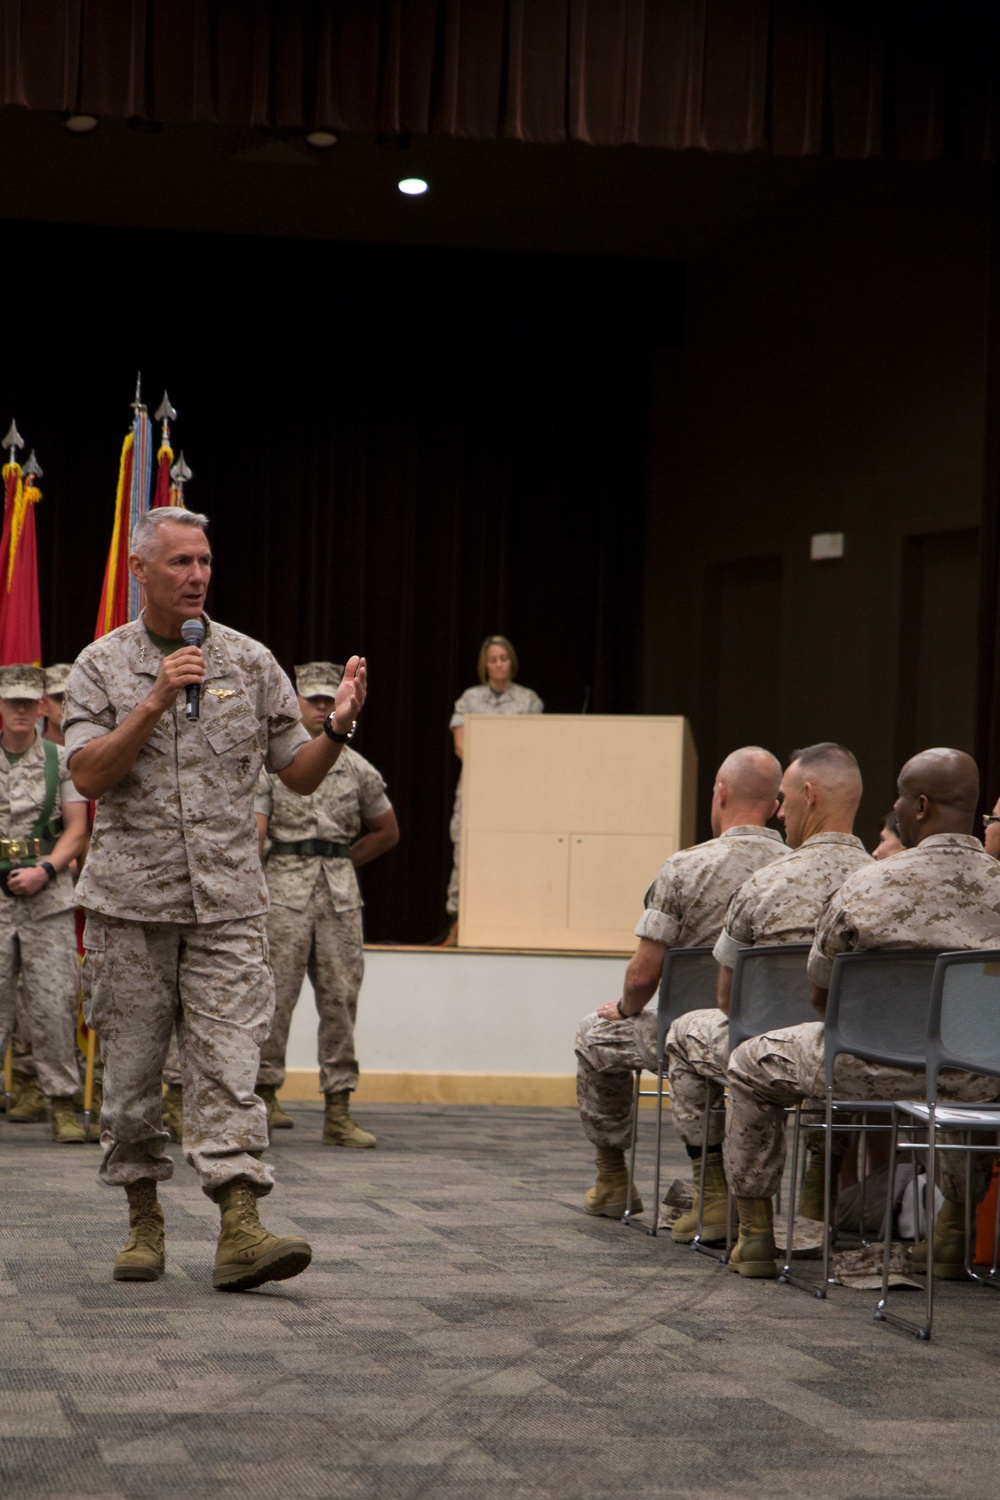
(832,378)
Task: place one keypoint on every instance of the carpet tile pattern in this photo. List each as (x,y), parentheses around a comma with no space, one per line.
(465,1330)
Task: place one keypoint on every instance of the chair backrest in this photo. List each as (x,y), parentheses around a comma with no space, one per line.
(770,989)
(963,1026)
(689,981)
(878,1007)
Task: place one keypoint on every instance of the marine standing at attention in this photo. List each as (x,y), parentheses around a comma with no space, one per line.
(43,826)
(314,922)
(174,893)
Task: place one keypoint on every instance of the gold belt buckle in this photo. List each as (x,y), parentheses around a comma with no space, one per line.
(16,848)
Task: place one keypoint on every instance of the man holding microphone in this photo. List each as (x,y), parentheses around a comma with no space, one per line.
(168,738)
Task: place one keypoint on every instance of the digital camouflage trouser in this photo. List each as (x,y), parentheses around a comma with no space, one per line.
(329,944)
(213,981)
(772,1071)
(608,1053)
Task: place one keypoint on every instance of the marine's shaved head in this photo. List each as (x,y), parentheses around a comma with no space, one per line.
(752,774)
(820,790)
(938,793)
(746,789)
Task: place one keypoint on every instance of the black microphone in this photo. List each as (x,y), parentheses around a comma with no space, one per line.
(193,633)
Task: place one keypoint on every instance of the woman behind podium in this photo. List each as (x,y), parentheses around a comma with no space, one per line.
(497,693)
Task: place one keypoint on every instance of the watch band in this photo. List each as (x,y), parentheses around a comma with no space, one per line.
(331,733)
(49,868)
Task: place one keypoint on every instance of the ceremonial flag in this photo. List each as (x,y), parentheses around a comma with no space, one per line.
(120,594)
(20,618)
(163,494)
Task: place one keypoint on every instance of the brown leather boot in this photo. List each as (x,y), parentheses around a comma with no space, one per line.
(949,1245)
(30,1105)
(607,1196)
(142,1257)
(276,1116)
(715,1218)
(339,1129)
(247,1255)
(755,1253)
(65,1130)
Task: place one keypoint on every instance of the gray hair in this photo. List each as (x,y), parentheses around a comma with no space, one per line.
(143,538)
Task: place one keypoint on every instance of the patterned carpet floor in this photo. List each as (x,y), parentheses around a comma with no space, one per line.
(465,1332)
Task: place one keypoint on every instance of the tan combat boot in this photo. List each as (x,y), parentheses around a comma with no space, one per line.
(755,1253)
(65,1130)
(810,1204)
(247,1255)
(607,1196)
(338,1127)
(716,1217)
(172,1111)
(142,1257)
(949,1245)
(30,1105)
(276,1117)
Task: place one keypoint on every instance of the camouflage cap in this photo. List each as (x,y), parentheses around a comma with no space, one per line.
(57,676)
(318,679)
(21,682)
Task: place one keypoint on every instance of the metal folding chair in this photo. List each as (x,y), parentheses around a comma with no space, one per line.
(877,1010)
(688,982)
(770,989)
(963,1032)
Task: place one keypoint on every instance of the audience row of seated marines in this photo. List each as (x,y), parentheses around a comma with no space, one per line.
(933,886)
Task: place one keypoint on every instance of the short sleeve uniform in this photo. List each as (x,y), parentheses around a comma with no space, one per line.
(685,906)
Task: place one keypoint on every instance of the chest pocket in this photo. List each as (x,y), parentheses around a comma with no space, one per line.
(237,738)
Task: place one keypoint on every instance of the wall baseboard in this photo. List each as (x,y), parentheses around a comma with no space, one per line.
(545,1090)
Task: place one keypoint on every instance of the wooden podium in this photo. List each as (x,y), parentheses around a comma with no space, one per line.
(566,819)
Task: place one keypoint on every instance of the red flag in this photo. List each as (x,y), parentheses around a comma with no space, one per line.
(20,618)
(113,608)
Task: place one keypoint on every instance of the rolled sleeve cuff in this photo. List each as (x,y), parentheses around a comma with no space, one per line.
(80,734)
(657,926)
(819,968)
(283,747)
(262,805)
(726,949)
(377,808)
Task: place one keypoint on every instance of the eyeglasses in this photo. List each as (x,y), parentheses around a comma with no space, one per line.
(989,818)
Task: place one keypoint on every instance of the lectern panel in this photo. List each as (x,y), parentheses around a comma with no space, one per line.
(608,876)
(565,821)
(513,878)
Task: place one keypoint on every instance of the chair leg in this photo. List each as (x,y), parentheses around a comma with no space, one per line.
(786,1270)
(628,1215)
(655,1226)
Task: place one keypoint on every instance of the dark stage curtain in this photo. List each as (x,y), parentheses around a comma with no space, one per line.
(988,702)
(915,79)
(400,452)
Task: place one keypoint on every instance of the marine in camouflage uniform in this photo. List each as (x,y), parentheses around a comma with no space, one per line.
(37,925)
(176,903)
(941,892)
(684,908)
(29,1101)
(314,922)
(482,699)
(779,904)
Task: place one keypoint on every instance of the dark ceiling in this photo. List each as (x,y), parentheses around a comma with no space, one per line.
(574,199)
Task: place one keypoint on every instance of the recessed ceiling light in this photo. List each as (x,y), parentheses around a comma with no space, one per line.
(413,186)
(321,139)
(80,124)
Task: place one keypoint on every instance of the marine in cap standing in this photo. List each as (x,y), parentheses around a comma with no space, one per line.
(29,1102)
(43,826)
(314,923)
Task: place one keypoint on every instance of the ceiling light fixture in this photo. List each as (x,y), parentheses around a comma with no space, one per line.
(321,139)
(80,124)
(413,186)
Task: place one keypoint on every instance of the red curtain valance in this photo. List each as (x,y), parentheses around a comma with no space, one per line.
(914,79)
